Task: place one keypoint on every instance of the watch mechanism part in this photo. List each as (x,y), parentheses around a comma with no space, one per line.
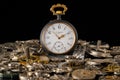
(83,74)
(30,62)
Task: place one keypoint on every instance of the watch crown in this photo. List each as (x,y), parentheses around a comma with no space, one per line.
(59,12)
(58,9)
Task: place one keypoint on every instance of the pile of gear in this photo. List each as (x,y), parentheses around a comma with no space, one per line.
(26,60)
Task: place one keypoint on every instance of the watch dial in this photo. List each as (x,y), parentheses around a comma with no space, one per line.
(59,38)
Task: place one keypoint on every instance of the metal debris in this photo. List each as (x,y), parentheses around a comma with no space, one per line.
(96,61)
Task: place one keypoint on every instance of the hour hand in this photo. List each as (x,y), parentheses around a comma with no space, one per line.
(63,35)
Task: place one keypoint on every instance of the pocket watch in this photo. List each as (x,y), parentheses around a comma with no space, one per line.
(58,36)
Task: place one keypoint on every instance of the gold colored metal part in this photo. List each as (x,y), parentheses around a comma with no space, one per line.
(109,77)
(44,59)
(23,60)
(33,59)
(58,12)
(82,74)
(112,68)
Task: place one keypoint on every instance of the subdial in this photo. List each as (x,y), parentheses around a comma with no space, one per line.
(59,46)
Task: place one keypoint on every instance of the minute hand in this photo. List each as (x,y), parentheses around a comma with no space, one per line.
(56,35)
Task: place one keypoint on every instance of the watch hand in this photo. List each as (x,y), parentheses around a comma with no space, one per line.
(63,35)
(56,35)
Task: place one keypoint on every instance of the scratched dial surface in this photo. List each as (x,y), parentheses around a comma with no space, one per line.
(59,38)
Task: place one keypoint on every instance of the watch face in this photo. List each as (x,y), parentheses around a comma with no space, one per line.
(58,37)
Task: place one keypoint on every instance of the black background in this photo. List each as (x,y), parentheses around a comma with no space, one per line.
(94,20)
